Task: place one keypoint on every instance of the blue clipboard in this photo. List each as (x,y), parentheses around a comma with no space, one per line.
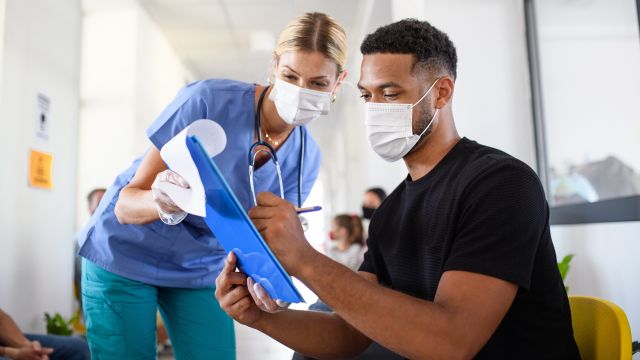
(234,230)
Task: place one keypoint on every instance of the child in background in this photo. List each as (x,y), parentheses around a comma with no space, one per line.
(346,247)
(347,241)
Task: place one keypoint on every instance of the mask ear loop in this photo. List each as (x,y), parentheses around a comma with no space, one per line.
(434,114)
(425,94)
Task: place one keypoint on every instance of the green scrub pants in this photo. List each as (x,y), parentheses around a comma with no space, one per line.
(121,319)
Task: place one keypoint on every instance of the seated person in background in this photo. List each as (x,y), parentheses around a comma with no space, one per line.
(346,241)
(93,200)
(371,200)
(345,247)
(460,261)
(16,345)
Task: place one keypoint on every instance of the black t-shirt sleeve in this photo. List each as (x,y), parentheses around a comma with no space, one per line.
(368,263)
(503,216)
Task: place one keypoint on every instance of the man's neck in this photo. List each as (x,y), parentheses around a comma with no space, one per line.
(433,149)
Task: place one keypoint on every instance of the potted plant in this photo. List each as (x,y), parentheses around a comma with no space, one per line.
(57,325)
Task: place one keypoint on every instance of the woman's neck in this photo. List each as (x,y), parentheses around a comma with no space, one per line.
(271,122)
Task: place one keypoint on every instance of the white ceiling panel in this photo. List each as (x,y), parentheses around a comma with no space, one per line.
(214,37)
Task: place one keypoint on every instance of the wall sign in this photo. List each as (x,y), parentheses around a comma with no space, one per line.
(40,170)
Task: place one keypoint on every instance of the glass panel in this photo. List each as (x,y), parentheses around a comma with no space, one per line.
(590,68)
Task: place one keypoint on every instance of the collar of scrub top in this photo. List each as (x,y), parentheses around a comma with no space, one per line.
(263,146)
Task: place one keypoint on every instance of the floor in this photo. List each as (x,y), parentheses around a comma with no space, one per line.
(252,344)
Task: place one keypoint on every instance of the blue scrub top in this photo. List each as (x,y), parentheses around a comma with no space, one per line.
(188,255)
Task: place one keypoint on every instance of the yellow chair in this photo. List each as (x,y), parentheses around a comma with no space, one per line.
(601,329)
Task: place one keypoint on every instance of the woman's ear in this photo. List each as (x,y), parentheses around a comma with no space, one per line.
(274,66)
(339,81)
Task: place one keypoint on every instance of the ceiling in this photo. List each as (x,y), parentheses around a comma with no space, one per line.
(235,38)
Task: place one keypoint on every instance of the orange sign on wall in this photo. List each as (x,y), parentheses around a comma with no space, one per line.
(40,170)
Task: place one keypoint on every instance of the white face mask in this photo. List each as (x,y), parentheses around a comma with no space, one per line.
(299,106)
(390,129)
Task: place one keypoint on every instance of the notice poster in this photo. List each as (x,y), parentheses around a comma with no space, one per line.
(40,170)
(43,121)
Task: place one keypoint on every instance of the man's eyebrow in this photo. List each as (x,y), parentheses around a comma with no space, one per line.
(388,85)
(382,86)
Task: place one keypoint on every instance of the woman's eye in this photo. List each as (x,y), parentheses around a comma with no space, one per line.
(320,84)
(289,77)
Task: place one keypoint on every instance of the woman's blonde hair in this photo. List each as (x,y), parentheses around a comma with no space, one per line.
(315,32)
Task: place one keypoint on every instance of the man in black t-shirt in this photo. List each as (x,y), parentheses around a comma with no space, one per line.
(460,261)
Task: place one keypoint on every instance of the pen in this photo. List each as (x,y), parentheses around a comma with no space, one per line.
(308,209)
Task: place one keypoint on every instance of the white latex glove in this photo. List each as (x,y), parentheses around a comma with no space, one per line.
(262,298)
(169,212)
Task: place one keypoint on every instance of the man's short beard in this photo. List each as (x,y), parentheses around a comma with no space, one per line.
(425,119)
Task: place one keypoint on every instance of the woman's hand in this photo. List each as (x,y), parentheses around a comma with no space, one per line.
(233,295)
(263,300)
(170,213)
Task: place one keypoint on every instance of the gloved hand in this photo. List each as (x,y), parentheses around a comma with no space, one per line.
(262,298)
(169,212)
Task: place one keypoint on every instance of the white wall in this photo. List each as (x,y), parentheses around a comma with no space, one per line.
(605,263)
(129,74)
(40,54)
(2,13)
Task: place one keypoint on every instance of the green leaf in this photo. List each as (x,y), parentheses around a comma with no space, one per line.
(564,266)
(57,325)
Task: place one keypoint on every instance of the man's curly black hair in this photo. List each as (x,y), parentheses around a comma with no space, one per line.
(431,47)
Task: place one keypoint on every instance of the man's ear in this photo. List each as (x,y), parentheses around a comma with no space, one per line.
(444,91)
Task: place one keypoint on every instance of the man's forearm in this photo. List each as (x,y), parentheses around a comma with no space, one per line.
(407,325)
(316,334)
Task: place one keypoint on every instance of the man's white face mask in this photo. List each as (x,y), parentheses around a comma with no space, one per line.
(299,106)
(390,129)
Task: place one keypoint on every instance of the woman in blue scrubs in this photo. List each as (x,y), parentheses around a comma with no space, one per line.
(136,262)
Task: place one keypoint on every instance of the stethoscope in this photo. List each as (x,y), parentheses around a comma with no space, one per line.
(267,148)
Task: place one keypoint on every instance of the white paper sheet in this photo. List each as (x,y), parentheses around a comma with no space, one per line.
(177,157)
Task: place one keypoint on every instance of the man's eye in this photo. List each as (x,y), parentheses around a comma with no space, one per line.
(390,95)
(366,97)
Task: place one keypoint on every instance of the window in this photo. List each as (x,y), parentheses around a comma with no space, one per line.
(586,88)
